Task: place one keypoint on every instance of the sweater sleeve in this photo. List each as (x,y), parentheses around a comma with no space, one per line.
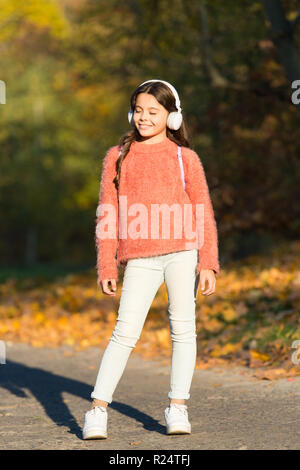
(107,219)
(198,192)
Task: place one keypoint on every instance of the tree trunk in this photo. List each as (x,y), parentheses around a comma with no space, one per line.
(31,248)
(283,38)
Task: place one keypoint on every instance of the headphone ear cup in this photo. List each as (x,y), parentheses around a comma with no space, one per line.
(130,117)
(174,120)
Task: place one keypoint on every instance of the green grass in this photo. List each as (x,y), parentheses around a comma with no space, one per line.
(47,272)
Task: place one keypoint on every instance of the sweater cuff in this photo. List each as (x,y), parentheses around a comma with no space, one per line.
(108,272)
(214,267)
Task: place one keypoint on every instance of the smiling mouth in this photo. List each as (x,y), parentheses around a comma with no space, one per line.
(144,125)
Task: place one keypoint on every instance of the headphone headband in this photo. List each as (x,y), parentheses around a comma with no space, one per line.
(175,117)
(171,88)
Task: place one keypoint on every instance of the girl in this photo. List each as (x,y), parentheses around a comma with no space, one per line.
(153,170)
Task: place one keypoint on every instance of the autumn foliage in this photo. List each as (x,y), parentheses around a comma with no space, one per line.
(252,319)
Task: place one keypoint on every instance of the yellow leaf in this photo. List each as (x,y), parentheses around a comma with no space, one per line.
(89,293)
(3,328)
(16,324)
(213,325)
(229,314)
(62,321)
(223,350)
(39,317)
(258,355)
(230,347)
(110,317)
(69,341)
(163,337)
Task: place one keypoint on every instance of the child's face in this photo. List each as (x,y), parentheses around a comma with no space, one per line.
(149,116)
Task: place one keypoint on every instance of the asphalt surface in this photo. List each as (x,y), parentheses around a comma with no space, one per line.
(44,394)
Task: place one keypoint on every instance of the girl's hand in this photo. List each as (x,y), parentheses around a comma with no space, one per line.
(106,289)
(207,275)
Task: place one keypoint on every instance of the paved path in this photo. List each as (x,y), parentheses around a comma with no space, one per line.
(44,394)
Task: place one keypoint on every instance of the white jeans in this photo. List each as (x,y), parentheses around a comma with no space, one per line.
(142,278)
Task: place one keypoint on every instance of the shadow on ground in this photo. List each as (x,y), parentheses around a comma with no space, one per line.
(47,388)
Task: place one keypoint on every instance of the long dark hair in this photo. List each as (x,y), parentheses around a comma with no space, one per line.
(165,97)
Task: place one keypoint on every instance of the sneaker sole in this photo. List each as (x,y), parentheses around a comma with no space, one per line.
(178,430)
(95,434)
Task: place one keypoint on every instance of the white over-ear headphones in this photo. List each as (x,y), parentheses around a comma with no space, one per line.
(175,118)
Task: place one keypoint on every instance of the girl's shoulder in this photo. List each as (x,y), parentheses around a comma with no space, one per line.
(190,156)
(192,163)
(109,160)
(112,153)
(113,150)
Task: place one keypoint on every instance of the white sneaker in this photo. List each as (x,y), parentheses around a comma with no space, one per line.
(176,417)
(95,423)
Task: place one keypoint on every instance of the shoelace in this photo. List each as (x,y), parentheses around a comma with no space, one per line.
(182,408)
(99,407)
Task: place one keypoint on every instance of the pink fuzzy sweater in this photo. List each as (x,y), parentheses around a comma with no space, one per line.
(150,177)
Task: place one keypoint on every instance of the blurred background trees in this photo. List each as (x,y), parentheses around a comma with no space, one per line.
(70,67)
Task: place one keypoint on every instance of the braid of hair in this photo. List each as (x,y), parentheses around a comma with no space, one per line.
(125,144)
